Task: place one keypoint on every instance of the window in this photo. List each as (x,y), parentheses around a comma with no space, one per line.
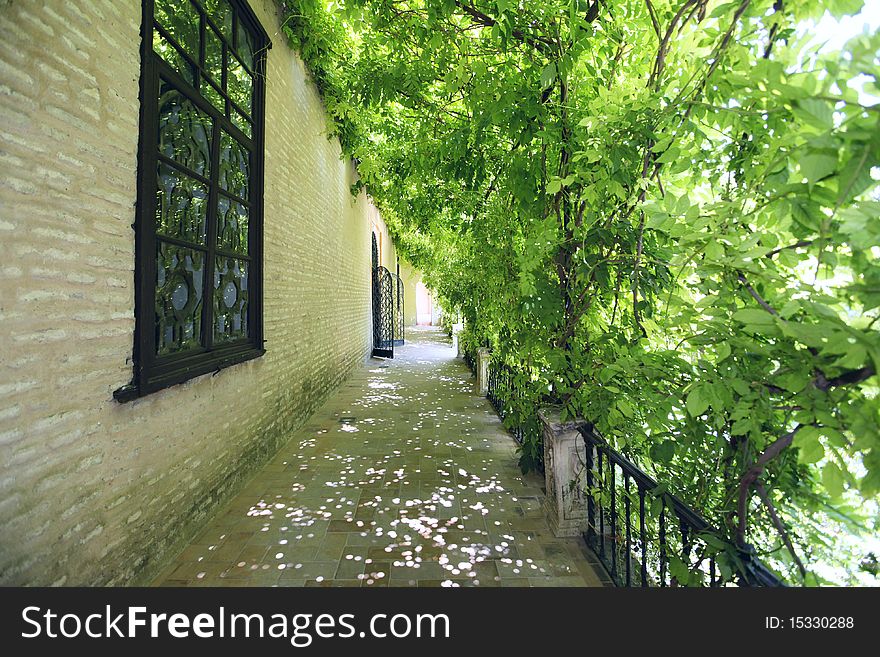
(198,268)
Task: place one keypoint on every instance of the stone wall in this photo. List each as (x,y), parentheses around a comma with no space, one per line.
(93,491)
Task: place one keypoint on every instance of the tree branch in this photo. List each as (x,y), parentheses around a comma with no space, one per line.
(777,522)
(751,476)
(757,297)
(847,378)
(539,42)
(771,38)
(654,20)
(796,245)
(635,285)
(660,60)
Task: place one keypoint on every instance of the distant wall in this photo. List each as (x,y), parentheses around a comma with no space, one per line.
(410,277)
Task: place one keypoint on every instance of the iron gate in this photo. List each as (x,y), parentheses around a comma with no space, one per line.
(383,307)
(387,307)
(383,313)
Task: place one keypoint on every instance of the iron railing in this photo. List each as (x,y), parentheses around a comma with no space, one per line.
(645,536)
(502,393)
(510,400)
(470,361)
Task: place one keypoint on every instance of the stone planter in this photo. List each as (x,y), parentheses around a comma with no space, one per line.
(565,474)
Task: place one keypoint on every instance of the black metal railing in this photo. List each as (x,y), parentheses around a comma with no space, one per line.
(501,391)
(645,536)
(470,361)
(511,402)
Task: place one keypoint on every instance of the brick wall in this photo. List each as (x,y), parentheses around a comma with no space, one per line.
(96,492)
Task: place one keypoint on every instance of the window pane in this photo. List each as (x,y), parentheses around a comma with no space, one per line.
(232,226)
(230,299)
(213,56)
(239,85)
(184,131)
(221,13)
(209,92)
(181,20)
(178,298)
(241,123)
(245,46)
(181,206)
(171,55)
(234,166)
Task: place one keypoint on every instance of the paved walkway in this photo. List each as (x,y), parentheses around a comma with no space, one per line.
(403,478)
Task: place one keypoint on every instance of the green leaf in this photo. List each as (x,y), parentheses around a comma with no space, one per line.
(696,403)
(663,452)
(722,351)
(839,8)
(815,112)
(714,250)
(548,75)
(741,427)
(855,176)
(790,308)
(625,407)
(725,8)
(669,155)
(793,382)
(854,358)
(713,541)
(662,144)
(817,165)
(754,317)
(870,484)
(607,373)
(833,479)
(810,449)
(835,437)
(678,570)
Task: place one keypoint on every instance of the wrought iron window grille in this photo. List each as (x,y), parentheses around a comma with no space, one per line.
(198,227)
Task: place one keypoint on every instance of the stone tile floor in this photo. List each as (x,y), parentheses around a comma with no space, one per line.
(405,477)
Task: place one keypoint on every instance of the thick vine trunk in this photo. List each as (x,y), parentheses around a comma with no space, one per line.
(564,257)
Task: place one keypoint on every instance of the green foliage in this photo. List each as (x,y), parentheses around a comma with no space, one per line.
(663,214)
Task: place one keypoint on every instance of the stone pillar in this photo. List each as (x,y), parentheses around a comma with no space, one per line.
(456,342)
(565,474)
(483,356)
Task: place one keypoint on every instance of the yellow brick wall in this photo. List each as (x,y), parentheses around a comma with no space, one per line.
(411,278)
(97,492)
(387,250)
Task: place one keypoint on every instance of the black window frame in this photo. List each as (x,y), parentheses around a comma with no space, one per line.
(153,372)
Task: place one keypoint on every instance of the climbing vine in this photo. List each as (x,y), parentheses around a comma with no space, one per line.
(662,213)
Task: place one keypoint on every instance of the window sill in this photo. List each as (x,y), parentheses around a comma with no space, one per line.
(133,391)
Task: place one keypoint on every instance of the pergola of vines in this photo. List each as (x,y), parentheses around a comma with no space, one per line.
(662,213)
